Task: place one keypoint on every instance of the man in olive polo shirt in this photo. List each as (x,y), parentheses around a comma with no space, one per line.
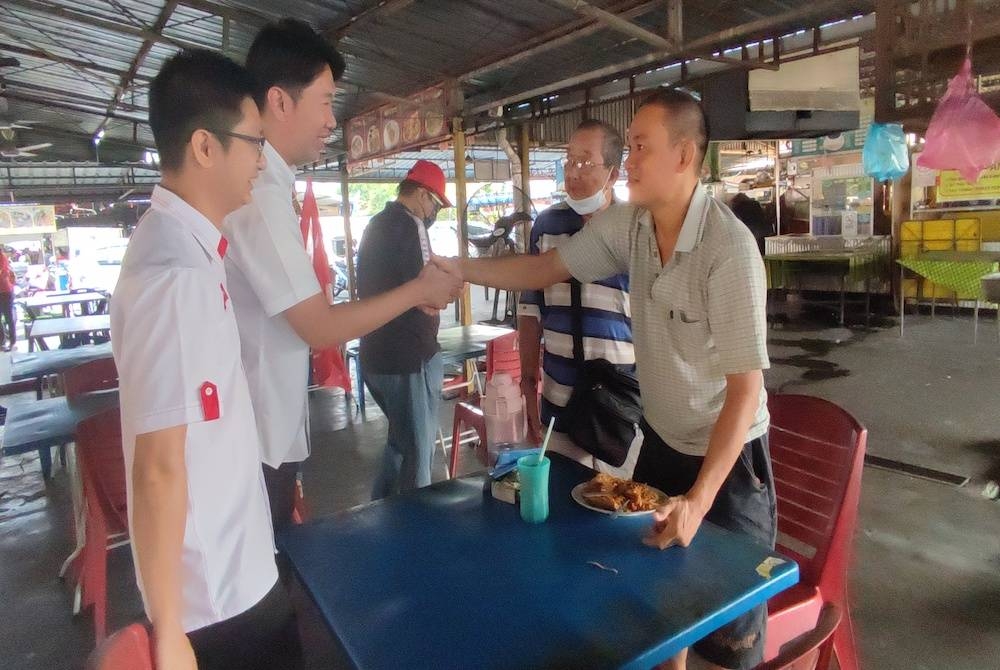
(698,322)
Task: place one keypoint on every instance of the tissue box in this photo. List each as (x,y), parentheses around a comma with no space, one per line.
(506,489)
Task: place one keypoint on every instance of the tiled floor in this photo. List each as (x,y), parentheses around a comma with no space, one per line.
(926,574)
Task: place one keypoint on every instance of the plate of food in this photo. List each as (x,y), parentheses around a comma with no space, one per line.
(374,141)
(357,146)
(411,127)
(619,497)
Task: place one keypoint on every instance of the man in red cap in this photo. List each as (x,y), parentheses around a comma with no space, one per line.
(401,361)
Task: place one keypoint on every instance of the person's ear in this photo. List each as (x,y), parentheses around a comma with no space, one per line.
(688,156)
(203,148)
(278,103)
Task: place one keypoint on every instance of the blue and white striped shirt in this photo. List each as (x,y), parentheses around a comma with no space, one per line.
(607,316)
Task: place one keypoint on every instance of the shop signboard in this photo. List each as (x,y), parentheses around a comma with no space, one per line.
(952,187)
(27,219)
(398,127)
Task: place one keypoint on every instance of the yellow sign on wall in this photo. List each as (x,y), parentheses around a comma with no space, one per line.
(951,187)
(27,219)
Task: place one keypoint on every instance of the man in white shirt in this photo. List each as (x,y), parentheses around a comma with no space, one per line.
(280,307)
(198,515)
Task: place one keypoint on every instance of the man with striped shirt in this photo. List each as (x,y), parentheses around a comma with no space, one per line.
(593,156)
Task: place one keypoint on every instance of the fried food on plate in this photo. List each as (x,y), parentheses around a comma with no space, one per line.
(621,495)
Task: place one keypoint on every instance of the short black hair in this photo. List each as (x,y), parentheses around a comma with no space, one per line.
(408,187)
(687,117)
(613,148)
(196,88)
(290,54)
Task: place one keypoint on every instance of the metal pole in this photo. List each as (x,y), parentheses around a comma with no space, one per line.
(525,149)
(777,187)
(345,210)
(458,142)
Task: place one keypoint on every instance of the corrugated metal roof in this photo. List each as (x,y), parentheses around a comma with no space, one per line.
(73,55)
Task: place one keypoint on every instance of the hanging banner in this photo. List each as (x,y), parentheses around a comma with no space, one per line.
(398,127)
(951,187)
(27,219)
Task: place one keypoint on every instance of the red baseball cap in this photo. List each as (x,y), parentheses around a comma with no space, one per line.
(431,177)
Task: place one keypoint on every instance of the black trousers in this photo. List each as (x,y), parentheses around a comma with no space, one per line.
(8,325)
(280,484)
(265,637)
(745,504)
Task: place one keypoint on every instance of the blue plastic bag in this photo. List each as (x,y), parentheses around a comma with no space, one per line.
(886,156)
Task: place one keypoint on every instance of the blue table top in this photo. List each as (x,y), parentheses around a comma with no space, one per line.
(448,577)
(41,363)
(35,424)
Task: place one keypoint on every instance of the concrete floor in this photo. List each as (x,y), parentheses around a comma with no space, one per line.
(926,578)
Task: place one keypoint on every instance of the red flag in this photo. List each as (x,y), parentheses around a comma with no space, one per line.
(328,365)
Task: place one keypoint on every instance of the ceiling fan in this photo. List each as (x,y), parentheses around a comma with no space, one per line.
(8,143)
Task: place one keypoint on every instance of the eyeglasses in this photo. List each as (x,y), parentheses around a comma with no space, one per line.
(436,200)
(586,165)
(259,141)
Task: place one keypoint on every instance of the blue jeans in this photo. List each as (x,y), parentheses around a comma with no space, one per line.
(411,403)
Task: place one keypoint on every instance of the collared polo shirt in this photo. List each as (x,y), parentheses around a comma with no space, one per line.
(695,319)
(270,271)
(176,346)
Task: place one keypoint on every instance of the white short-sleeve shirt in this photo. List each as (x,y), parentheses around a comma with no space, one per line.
(176,346)
(269,271)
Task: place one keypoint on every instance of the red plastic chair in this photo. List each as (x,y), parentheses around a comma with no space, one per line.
(502,355)
(128,649)
(102,468)
(97,375)
(817,452)
(812,650)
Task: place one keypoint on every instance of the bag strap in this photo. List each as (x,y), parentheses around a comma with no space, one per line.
(576,319)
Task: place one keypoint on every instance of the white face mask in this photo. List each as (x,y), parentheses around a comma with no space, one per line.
(590,204)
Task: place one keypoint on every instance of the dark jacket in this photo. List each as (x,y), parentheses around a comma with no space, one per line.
(390,256)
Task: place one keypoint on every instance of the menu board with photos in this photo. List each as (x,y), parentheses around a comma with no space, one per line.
(27,219)
(398,127)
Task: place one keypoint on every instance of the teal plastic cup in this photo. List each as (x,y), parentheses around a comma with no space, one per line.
(534,478)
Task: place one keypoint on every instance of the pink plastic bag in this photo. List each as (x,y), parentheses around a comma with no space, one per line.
(964,133)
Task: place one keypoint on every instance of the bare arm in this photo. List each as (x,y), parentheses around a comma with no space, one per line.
(728,436)
(529,335)
(517,273)
(321,325)
(159,501)
(678,521)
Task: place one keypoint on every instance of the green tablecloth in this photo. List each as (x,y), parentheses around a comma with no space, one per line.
(855,265)
(963,277)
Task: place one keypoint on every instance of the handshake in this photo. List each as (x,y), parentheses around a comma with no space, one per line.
(439,283)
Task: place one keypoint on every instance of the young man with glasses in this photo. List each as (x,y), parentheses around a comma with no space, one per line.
(198,515)
(280,307)
(401,361)
(591,170)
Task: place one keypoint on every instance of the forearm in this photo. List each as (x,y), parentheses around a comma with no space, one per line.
(323,326)
(529,335)
(517,273)
(159,514)
(728,437)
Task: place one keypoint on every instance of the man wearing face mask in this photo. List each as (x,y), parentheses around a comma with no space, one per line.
(591,168)
(401,361)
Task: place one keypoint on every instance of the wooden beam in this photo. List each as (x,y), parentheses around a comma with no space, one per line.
(73,15)
(618,23)
(129,77)
(675,21)
(557,38)
(365,17)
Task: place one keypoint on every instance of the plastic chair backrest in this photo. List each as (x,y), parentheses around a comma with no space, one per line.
(805,652)
(817,452)
(128,649)
(97,375)
(102,464)
(503,355)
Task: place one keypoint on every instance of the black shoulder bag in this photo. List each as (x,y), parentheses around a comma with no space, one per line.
(604,409)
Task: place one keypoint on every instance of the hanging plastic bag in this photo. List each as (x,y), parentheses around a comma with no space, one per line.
(886,156)
(964,133)
(328,366)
